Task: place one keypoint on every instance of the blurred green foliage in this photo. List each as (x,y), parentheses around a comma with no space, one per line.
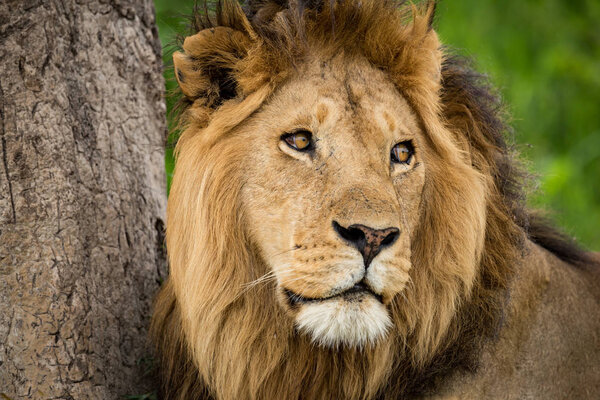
(544,57)
(172,18)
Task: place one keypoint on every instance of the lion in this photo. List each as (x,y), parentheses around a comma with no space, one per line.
(347,221)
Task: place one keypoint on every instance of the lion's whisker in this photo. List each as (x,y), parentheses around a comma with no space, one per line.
(267,276)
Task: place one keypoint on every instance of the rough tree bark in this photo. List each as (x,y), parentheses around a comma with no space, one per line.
(82,195)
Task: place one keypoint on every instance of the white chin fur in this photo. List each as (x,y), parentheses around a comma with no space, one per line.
(336,322)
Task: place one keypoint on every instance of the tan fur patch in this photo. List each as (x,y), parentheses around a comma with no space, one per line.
(322,113)
(390,121)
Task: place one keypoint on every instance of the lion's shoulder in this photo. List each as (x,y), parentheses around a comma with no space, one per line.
(549,335)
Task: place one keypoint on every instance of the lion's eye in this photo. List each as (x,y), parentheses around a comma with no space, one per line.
(403,152)
(300,140)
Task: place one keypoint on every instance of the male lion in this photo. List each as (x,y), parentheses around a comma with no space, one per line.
(346,221)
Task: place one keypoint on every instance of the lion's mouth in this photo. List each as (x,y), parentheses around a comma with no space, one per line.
(354,293)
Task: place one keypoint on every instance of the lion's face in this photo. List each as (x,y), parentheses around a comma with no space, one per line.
(333,179)
(346,186)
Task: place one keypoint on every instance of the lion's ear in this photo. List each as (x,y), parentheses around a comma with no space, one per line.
(207,68)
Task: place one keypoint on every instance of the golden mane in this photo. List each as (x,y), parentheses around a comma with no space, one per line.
(456,299)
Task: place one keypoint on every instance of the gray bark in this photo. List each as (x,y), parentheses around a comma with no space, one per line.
(82,196)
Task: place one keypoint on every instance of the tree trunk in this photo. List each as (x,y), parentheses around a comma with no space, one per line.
(82,196)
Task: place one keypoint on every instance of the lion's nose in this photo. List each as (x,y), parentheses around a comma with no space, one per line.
(367,240)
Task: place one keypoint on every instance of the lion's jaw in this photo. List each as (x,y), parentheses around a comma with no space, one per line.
(295,199)
(349,322)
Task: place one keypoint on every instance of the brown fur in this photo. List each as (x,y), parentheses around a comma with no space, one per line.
(217,338)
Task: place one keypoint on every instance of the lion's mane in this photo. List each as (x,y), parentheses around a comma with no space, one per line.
(213,336)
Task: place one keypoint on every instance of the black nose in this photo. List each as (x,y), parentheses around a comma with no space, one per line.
(367,240)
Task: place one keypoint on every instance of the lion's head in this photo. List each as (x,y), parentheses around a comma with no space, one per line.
(343,215)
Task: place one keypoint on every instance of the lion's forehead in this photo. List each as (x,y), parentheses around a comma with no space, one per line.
(346,99)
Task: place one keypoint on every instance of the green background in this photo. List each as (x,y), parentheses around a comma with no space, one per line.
(544,57)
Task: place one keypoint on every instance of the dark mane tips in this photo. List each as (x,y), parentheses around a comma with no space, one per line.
(542,231)
(472,106)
